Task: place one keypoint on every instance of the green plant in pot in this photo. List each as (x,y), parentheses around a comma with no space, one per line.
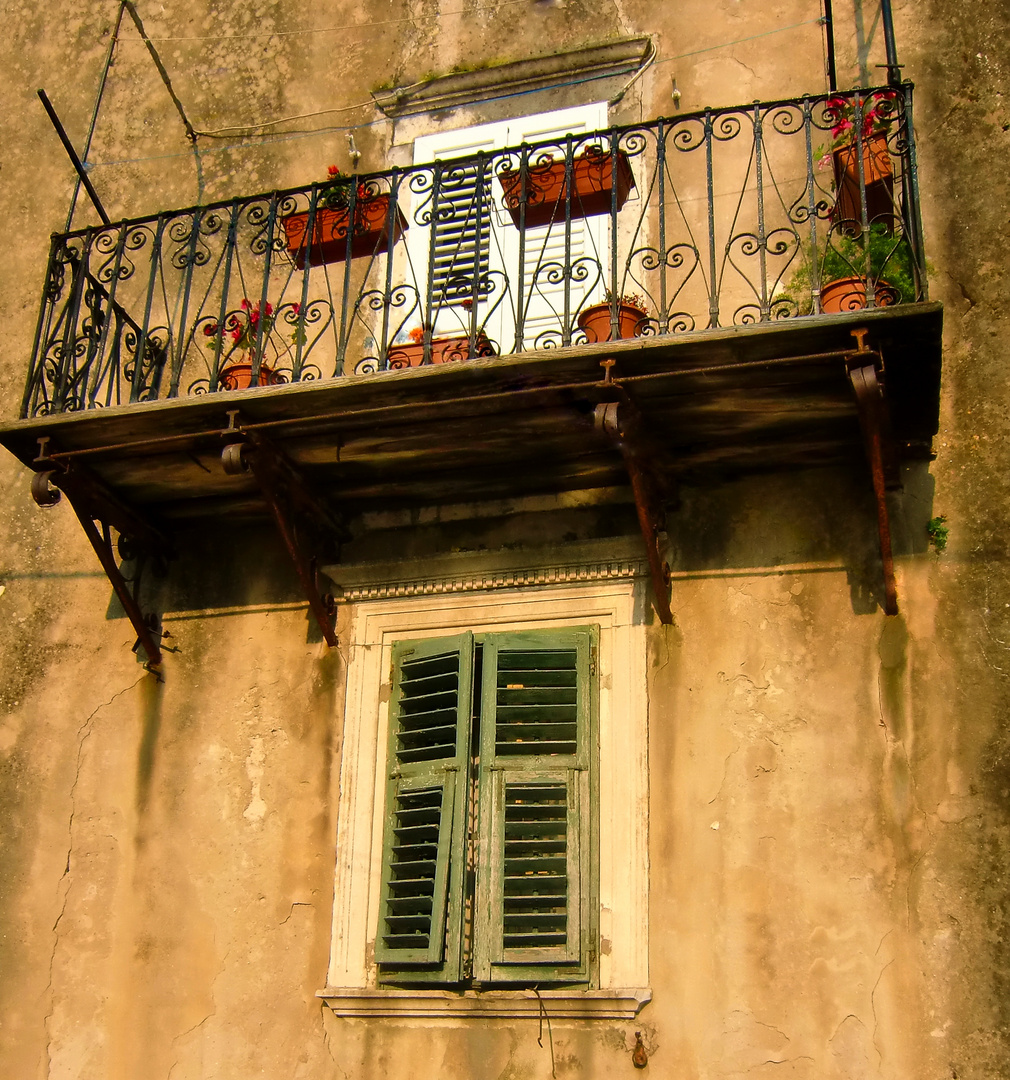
(842,272)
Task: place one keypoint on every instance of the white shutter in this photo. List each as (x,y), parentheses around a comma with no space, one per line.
(544,246)
(478,236)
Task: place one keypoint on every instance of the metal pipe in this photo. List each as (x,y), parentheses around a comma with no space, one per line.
(829,32)
(893,67)
(77,163)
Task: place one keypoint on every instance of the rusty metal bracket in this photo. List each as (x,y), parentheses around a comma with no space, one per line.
(866,373)
(285,491)
(91,502)
(618,421)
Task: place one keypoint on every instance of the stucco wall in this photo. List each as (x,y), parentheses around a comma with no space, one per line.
(829,786)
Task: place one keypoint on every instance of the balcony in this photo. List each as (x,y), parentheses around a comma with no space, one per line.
(449,331)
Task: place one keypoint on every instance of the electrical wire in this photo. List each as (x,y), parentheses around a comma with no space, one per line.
(341,29)
(740,41)
(651,60)
(235,130)
(94,113)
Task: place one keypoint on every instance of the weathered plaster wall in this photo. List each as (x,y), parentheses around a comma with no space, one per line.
(166,848)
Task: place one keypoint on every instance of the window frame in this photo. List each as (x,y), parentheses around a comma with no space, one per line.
(618,609)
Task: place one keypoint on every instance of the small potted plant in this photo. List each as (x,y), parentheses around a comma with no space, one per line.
(243,328)
(331,227)
(844,281)
(544,192)
(878,112)
(632,316)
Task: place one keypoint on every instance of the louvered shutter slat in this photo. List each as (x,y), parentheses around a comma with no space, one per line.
(535,807)
(420,918)
(462,237)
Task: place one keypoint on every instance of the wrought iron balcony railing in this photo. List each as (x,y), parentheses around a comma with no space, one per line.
(773,211)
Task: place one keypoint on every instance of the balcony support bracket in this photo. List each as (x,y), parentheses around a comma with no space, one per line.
(620,423)
(93,502)
(866,373)
(286,492)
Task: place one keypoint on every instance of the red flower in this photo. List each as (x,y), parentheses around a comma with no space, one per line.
(210,329)
(332,171)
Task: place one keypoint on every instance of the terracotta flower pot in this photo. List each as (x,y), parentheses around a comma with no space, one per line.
(878,178)
(595,322)
(544,191)
(329,232)
(239,377)
(849,294)
(443,351)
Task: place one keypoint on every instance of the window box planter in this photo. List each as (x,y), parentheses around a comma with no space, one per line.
(545,189)
(595,322)
(443,351)
(329,232)
(849,294)
(239,376)
(878,176)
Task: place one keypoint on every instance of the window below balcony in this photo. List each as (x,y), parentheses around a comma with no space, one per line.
(587,782)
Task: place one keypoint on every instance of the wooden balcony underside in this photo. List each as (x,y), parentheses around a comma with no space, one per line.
(712,404)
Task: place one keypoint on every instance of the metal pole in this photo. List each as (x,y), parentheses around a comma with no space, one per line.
(94,114)
(829,31)
(69,147)
(893,67)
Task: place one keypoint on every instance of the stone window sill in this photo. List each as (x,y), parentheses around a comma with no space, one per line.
(617,1004)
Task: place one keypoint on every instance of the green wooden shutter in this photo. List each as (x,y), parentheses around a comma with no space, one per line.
(419,936)
(535,915)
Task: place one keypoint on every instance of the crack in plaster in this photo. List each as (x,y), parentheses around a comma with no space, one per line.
(725,773)
(294,904)
(985,656)
(846,1017)
(873,1002)
(622,17)
(83,734)
(183,1034)
(326,1040)
(964,292)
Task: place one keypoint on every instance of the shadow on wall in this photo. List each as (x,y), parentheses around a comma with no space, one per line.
(796,520)
(802,521)
(218,569)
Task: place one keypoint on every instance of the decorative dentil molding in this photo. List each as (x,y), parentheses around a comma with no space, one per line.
(500,579)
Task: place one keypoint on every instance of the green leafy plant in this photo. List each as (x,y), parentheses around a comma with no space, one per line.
(937,531)
(844,256)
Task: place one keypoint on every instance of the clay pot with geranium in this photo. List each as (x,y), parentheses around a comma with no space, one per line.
(873,116)
(443,349)
(243,329)
(630,310)
(333,234)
